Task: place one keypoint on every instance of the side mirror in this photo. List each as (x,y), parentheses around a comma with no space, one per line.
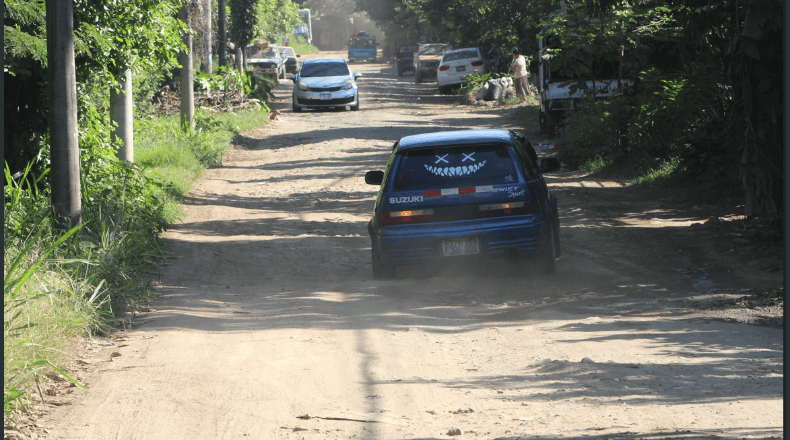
(550,164)
(298,56)
(357,76)
(293,78)
(374,177)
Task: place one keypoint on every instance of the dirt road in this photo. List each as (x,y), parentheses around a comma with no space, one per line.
(271,326)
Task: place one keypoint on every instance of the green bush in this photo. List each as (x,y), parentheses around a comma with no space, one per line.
(591,131)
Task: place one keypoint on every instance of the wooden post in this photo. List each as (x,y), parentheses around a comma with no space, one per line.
(121,109)
(64,143)
(185,59)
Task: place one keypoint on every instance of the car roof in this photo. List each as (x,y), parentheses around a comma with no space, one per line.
(460,137)
(324,60)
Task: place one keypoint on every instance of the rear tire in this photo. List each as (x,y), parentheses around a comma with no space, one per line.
(418,76)
(557,244)
(548,264)
(380,271)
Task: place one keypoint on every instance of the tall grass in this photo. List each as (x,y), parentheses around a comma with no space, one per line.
(177,159)
(300,45)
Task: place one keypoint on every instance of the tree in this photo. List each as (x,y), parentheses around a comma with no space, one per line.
(107,37)
(244,19)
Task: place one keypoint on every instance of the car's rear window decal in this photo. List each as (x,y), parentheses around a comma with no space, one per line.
(475,165)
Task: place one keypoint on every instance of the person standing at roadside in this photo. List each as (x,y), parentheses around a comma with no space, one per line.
(519,69)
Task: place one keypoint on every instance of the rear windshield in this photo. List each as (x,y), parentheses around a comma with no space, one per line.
(324,69)
(433,50)
(462,55)
(362,44)
(411,48)
(443,167)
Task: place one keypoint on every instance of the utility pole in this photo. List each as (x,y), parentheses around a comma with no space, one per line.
(121,109)
(64,143)
(207,37)
(185,59)
(222,33)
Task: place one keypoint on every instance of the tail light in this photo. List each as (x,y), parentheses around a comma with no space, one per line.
(511,208)
(416,216)
(477,63)
(443,68)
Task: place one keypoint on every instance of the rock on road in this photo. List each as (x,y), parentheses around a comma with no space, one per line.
(270,325)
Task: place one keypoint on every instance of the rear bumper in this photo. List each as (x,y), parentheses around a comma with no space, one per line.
(410,244)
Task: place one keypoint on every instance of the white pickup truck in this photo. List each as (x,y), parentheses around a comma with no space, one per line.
(555,92)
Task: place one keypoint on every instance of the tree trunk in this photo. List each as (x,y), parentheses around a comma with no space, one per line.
(207,67)
(240,60)
(185,59)
(222,33)
(64,143)
(121,109)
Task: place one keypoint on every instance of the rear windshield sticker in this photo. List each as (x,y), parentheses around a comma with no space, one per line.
(455,171)
(514,194)
(468,156)
(441,159)
(508,178)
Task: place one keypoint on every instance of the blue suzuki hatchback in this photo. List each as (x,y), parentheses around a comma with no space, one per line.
(462,194)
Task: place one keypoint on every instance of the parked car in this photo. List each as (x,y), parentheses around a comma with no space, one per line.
(463,194)
(404,55)
(265,60)
(457,64)
(289,57)
(426,60)
(324,83)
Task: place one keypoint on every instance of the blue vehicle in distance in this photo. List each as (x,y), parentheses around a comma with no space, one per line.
(362,47)
(463,194)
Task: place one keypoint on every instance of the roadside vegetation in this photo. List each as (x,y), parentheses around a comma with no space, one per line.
(707,80)
(62,287)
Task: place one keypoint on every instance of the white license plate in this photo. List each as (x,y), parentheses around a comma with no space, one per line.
(460,68)
(326,96)
(461,247)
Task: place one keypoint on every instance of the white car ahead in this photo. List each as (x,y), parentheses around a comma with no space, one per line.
(457,64)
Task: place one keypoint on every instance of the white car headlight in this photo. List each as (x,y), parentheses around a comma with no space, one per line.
(303,87)
(348,85)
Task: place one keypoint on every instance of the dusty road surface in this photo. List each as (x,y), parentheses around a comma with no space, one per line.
(270,325)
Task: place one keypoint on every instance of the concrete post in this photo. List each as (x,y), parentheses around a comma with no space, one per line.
(121,108)
(185,59)
(64,142)
(207,66)
(222,33)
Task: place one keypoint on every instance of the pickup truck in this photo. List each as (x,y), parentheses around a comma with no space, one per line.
(266,61)
(404,55)
(426,60)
